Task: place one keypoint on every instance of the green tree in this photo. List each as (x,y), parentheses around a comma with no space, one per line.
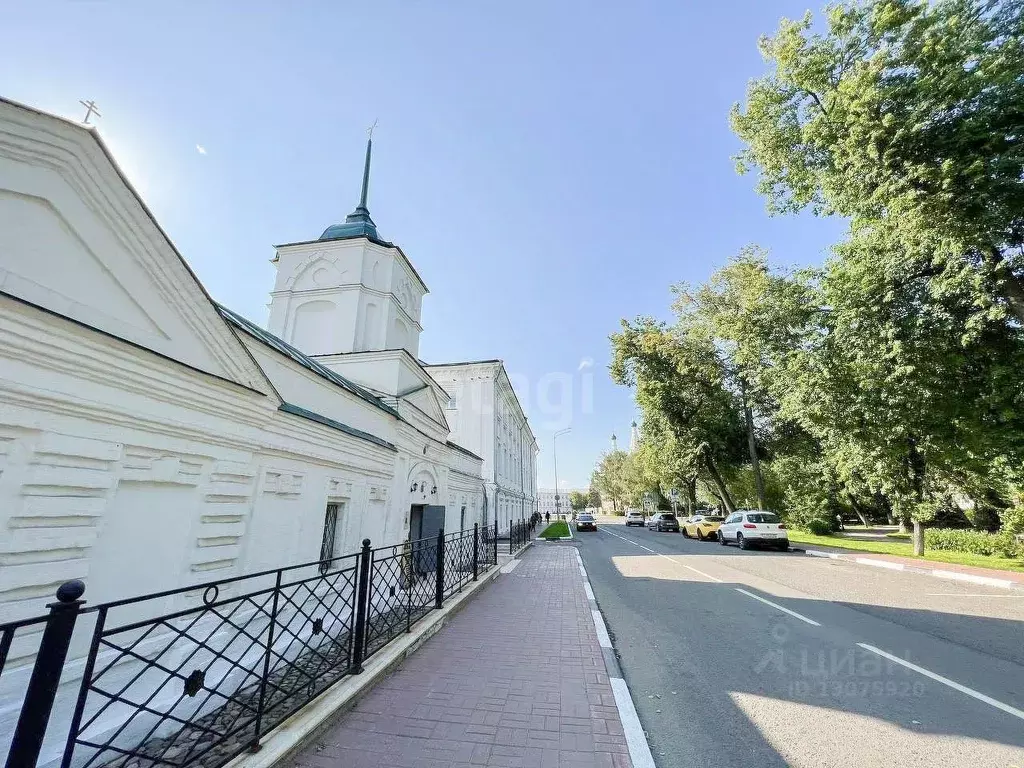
(578,500)
(667,463)
(593,497)
(611,477)
(678,378)
(904,394)
(906,117)
(749,313)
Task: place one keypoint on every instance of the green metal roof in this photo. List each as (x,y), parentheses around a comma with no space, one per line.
(297,410)
(302,359)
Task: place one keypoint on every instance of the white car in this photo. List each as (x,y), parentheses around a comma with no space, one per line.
(750,527)
(635,517)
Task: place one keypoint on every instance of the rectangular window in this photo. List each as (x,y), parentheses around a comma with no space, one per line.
(327,545)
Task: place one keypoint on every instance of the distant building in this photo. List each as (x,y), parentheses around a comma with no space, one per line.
(546,500)
(485,416)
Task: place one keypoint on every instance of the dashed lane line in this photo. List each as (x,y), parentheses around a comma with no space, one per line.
(1003,707)
(946,681)
(794,614)
(659,554)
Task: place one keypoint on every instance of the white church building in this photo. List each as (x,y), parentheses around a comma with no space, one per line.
(150,438)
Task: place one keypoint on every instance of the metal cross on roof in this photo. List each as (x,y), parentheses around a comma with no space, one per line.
(90,109)
(369,131)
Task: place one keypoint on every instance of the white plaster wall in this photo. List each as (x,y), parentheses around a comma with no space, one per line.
(351,275)
(136,473)
(471,422)
(73,239)
(300,387)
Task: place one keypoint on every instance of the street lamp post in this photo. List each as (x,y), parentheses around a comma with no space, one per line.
(554,447)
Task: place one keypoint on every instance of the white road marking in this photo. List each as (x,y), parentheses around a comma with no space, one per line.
(794,614)
(603,638)
(639,751)
(946,681)
(659,554)
(636,740)
(510,566)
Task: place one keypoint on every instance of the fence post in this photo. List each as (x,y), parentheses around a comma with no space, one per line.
(408,589)
(476,548)
(362,588)
(495,540)
(255,746)
(42,685)
(439,577)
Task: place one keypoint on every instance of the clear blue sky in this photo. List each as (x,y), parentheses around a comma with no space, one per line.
(549,167)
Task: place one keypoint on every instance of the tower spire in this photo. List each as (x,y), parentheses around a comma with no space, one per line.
(366,173)
(362,213)
(358,223)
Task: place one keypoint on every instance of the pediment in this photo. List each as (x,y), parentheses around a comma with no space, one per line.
(75,240)
(426,400)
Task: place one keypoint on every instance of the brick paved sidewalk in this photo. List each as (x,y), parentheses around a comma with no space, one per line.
(515,679)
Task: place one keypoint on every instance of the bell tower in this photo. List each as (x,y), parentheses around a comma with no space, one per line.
(349,290)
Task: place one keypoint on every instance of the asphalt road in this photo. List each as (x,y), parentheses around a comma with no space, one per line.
(771,659)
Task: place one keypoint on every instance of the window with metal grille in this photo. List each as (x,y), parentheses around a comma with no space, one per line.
(330,532)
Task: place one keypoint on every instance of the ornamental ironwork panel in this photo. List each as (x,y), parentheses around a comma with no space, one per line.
(458,561)
(200,683)
(402,590)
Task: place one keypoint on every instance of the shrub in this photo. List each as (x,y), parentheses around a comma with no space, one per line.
(1012,519)
(819,526)
(1002,544)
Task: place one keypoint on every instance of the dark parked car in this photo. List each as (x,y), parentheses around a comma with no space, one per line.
(665,521)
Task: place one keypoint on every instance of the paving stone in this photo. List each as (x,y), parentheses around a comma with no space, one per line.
(516,679)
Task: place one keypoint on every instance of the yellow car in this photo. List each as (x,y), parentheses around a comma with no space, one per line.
(702,527)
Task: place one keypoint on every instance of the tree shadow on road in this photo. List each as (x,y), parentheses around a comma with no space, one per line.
(722,676)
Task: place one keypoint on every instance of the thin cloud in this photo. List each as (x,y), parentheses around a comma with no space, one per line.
(200,149)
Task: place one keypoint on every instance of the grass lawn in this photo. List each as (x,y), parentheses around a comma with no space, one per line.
(556,530)
(892,547)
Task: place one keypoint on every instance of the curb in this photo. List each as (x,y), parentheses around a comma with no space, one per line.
(570,537)
(938,573)
(302,728)
(636,740)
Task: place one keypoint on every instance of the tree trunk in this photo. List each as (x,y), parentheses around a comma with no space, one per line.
(918,539)
(755,462)
(1011,287)
(858,511)
(917,469)
(723,492)
(691,495)
(883,501)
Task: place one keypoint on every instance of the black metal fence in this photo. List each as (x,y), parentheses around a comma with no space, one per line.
(196,676)
(519,532)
